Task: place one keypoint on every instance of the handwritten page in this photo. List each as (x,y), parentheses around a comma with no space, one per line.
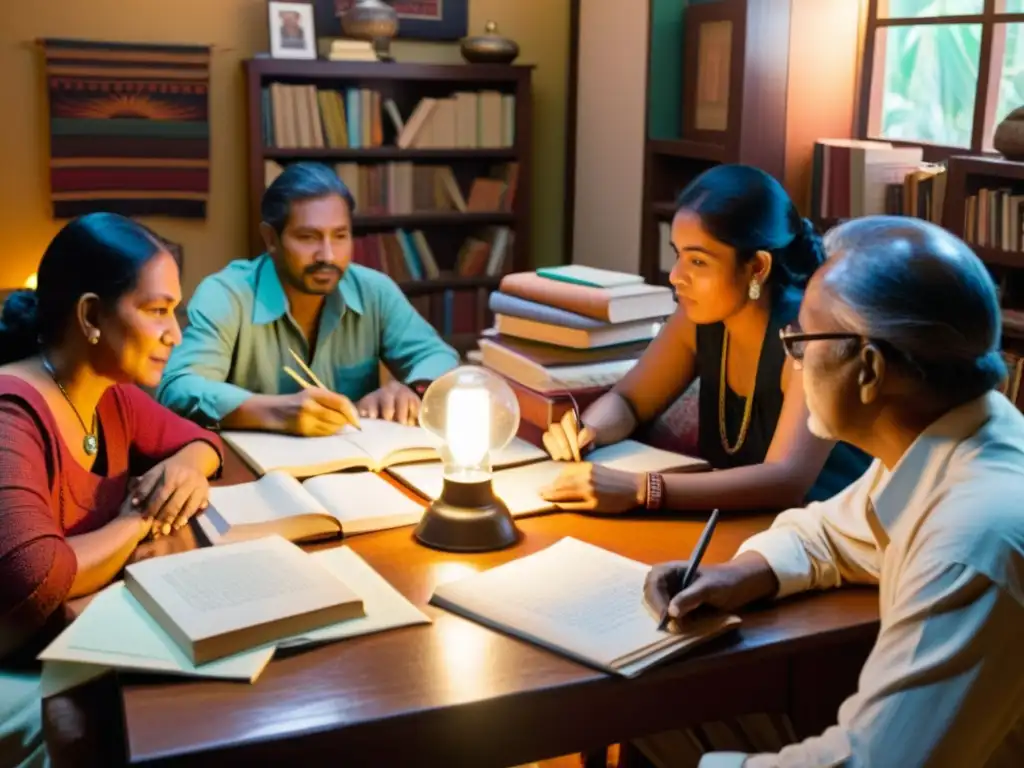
(573,596)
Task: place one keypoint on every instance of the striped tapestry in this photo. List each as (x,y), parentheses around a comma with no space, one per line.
(129,129)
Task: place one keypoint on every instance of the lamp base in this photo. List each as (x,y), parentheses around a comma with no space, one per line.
(467,517)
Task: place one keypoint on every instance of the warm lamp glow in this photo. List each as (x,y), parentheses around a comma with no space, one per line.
(31,282)
(468,425)
(472,412)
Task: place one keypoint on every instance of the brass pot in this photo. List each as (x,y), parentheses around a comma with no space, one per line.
(370,20)
(489,48)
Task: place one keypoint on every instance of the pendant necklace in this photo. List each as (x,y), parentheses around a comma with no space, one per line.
(90,443)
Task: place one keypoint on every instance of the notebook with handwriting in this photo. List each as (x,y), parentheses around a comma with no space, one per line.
(380,444)
(324,506)
(581,601)
(519,487)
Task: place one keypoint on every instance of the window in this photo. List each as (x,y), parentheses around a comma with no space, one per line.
(942,72)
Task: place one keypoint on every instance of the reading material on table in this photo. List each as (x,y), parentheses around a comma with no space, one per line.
(378,445)
(320,507)
(578,600)
(218,601)
(520,487)
(116,632)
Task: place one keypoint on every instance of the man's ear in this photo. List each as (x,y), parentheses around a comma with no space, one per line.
(871,373)
(270,238)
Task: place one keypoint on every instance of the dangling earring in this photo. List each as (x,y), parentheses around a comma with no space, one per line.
(94,337)
(754,292)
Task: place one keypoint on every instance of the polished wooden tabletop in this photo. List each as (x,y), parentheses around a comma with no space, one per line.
(456,693)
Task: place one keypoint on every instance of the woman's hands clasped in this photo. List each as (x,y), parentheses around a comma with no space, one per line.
(169,495)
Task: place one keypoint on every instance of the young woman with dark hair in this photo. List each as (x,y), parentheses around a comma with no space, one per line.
(90,465)
(744,258)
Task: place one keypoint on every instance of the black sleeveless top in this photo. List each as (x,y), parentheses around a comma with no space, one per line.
(845,463)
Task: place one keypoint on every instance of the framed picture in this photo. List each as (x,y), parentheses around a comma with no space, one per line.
(292,34)
(418,19)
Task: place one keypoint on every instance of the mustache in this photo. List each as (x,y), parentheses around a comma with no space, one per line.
(314,269)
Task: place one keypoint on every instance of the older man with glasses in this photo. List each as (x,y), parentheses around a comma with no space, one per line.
(899,349)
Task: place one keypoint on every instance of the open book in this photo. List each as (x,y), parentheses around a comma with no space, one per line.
(380,444)
(520,487)
(578,600)
(116,632)
(320,507)
(219,601)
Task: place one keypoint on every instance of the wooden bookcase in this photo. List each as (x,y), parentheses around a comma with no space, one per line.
(966,176)
(406,85)
(755,90)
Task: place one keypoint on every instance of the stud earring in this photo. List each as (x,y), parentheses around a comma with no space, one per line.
(94,337)
(754,292)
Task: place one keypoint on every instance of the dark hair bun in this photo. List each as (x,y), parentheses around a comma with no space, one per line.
(19,326)
(21,313)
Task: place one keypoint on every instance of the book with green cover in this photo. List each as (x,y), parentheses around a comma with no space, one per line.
(589,276)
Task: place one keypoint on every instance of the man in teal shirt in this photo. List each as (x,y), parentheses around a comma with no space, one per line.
(303,294)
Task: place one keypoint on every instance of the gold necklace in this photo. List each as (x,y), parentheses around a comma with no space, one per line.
(90,443)
(748,407)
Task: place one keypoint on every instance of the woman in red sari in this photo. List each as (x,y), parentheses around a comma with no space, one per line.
(90,465)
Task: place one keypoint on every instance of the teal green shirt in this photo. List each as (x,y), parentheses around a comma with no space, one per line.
(240,330)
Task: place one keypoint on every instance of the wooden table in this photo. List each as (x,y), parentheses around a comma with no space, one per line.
(455,693)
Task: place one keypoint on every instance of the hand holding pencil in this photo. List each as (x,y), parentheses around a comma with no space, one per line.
(316,411)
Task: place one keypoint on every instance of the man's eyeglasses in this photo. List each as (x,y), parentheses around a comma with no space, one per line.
(794,341)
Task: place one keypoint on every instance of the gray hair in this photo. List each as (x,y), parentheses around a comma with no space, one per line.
(923,293)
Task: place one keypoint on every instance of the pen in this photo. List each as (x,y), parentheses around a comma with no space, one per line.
(691,569)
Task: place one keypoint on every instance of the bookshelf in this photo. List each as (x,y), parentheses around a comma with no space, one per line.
(758,86)
(452,291)
(994,228)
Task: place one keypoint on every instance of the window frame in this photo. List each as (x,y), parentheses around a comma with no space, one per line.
(986,95)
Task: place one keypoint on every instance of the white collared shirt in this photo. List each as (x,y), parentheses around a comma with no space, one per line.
(942,535)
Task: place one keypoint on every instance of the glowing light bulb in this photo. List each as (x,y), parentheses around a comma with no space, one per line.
(468,425)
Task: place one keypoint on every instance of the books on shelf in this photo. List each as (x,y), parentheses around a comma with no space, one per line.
(581,601)
(116,632)
(220,601)
(324,506)
(405,256)
(994,218)
(853,177)
(302,116)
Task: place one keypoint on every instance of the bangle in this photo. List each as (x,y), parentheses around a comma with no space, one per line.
(655,491)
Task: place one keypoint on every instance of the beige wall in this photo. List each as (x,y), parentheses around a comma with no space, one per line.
(611,103)
(237,30)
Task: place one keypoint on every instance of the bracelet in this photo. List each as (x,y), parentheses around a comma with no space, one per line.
(655,491)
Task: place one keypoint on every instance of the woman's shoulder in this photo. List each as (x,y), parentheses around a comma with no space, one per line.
(20,396)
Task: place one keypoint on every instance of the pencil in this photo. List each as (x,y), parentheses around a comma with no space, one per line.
(691,569)
(301,381)
(306,369)
(306,385)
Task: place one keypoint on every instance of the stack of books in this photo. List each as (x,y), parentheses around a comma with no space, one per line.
(565,334)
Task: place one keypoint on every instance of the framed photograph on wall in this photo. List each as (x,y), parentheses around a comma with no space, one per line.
(417,19)
(292,34)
